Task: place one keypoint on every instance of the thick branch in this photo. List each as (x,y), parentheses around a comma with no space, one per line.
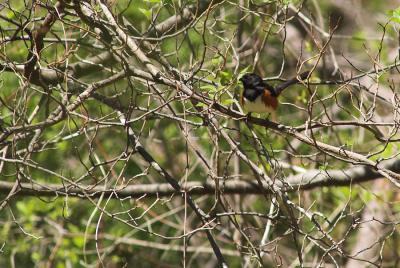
(307,181)
(37,42)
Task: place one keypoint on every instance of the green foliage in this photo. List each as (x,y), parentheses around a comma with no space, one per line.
(215,47)
(394,15)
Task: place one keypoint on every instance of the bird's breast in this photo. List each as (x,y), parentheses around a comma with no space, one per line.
(264,103)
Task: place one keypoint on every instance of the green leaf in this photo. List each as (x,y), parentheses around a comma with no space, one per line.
(243,71)
(308,46)
(323,167)
(359,35)
(302,97)
(201,104)
(21,206)
(224,77)
(217,61)
(78,241)
(10,15)
(35,256)
(146,12)
(367,196)
(227,102)
(209,88)
(395,15)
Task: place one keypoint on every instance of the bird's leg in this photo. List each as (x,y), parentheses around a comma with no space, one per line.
(248,116)
(271,116)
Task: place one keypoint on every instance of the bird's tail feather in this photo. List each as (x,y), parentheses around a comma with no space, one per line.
(284,85)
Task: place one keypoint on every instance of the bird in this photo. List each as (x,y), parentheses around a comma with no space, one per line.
(260,97)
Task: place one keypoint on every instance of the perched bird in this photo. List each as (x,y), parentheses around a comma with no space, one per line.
(259,97)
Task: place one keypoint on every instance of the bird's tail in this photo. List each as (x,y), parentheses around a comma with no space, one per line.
(281,87)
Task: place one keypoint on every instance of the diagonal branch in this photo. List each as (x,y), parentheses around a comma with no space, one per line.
(37,42)
(135,143)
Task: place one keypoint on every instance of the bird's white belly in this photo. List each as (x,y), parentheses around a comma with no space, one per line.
(258,106)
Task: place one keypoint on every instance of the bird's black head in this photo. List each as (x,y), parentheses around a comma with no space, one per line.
(251,80)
